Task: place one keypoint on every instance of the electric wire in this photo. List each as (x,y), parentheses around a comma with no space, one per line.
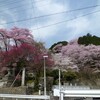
(16,2)
(49,15)
(24,9)
(4,1)
(68,20)
(3,5)
(19,6)
(34,14)
(57,12)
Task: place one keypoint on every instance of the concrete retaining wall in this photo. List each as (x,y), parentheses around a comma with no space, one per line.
(13,90)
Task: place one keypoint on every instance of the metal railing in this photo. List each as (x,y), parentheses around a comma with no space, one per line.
(29,97)
(80,93)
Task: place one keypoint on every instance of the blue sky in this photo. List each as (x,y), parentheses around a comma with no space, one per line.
(12,12)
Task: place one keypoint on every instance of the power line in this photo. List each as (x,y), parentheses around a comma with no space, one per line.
(9,3)
(67,20)
(16,2)
(35,16)
(53,13)
(50,14)
(73,10)
(19,6)
(4,1)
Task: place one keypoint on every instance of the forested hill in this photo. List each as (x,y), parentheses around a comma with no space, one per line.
(83,40)
(89,39)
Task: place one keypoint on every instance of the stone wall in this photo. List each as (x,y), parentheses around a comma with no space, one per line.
(13,90)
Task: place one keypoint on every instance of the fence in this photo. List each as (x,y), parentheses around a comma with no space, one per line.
(29,97)
(80,93)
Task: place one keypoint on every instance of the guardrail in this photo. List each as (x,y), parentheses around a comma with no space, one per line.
(80,93)
(17,96)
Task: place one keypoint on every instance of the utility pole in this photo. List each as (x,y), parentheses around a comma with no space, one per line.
(59,84)
(45,76)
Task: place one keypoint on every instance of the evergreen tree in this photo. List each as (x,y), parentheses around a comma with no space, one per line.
(89,39)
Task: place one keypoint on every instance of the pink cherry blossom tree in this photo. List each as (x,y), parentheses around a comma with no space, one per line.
(15,36)
(83,56)
(18,50)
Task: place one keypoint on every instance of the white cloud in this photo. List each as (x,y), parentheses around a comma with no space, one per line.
(70,29)
(86,24)
(82,25)
(44,33)
(47,32)
(51,8)
(11,17)
(94,22)
(7,16)
(1,23)
(78,26)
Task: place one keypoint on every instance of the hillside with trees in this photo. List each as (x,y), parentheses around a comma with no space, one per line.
(56,47)
(86,58)
(89,39)
(78,60)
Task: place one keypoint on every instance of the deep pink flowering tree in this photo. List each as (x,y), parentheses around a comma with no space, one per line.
(25,55)
(18,49)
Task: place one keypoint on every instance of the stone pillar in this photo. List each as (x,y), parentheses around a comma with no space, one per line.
(23,77)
